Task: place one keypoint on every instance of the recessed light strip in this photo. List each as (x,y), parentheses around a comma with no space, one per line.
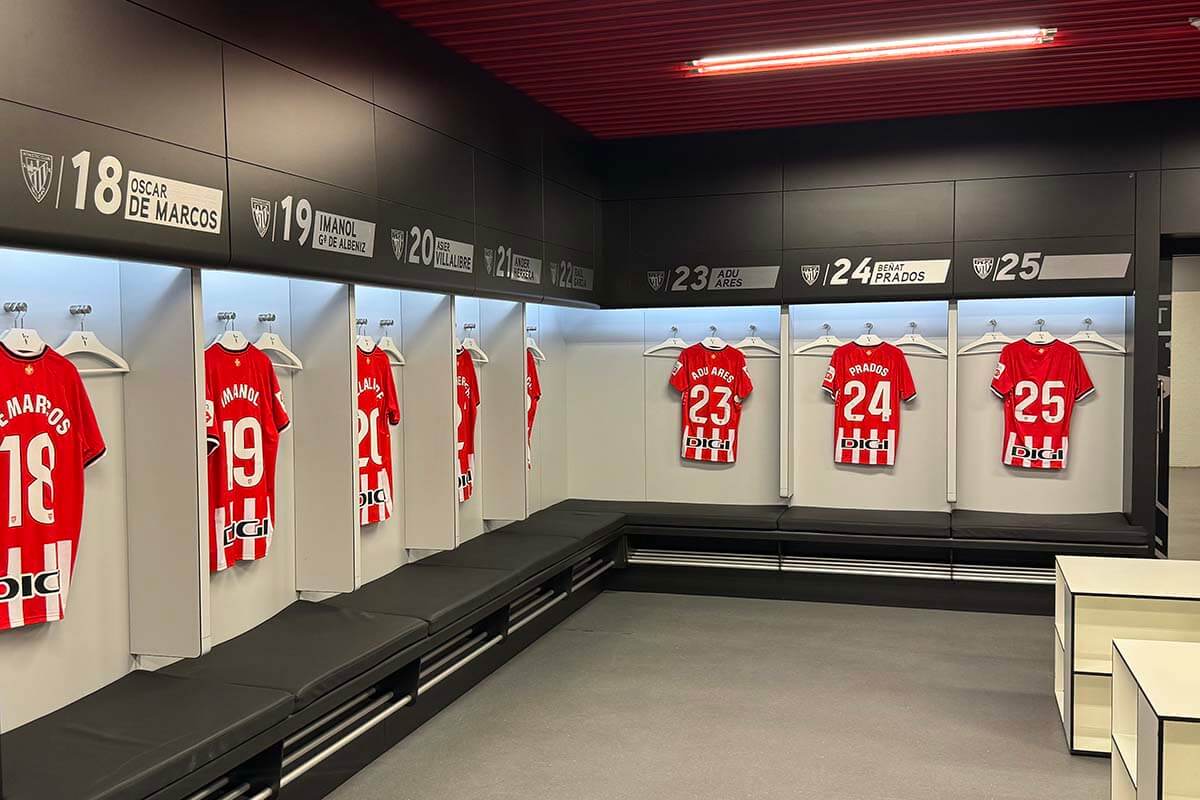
(870,51)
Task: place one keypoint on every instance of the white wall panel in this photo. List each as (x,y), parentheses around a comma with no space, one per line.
(548,475)
(501,428)
(1185,379)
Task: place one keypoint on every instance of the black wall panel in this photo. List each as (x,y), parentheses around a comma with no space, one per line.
(507,197)
(570,156)
(289,122)
(512,265)
(571,274)
(1181,135)
(48,201)
(570,217)
(693,165)
(744,277)
(332,42)
(1065,205)
(1001,144)
(116,64)
(1181,202)
(687,228)
(423,168)
(921,212)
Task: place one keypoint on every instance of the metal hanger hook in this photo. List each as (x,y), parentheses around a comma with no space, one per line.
(361,322)
(994,324)
(268,318)
(81,310)
(870,326)
(1041,323)
(825,326)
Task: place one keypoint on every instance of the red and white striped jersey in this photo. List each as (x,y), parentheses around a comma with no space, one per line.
(244,416)
(1040,384)
(712,385)
(867,383)
(48,435)
(378,410)
(533,393)
(466,410)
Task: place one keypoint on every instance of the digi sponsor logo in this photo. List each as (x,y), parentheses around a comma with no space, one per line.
(983,267)
(246,529)
(704,443)
(374,497)
(466,480)
(398,244)
(260,212)
(657,279)
(38,171)
(1019,452)
(30,585)
(870,445)
(810,273)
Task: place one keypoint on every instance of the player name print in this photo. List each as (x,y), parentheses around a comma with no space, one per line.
(39,404)
(239,391)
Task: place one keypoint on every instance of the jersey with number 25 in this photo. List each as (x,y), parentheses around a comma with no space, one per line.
(712,384)
(244,416)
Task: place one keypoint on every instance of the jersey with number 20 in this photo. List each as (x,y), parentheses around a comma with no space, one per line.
(244,416)
(867,383)
(378,409)
(48,434)
(713,384)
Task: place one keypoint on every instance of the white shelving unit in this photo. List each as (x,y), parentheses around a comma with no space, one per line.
(1097,600)
(1155,720)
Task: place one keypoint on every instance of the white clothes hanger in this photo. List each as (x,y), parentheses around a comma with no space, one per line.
(712,341)
(87,342)
(991,337)
(363,341)
(914,339)
(756,342)
(672,342)
(869,339)
(388,345)
(230,338)
(1040,335)
(22,340)
(469,344)
(826,339)
(1089,336)
(271,342)
(532,346)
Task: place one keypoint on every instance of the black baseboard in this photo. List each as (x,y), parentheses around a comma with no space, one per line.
(1004,598)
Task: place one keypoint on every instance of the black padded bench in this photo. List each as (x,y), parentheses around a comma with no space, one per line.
(135,736)
(438,594)
(682,515)
(1066,529)
(865,522)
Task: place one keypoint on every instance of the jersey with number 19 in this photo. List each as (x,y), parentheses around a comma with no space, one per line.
(48,434)
(1040,384)
(867,383)
(712,384)
(244,416)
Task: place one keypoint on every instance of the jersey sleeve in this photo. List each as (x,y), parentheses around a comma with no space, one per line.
(211,429)
(278,411)
(679,373)
(535,383)
(1002,380)
(390,400)
(742,386)
(1083,381)
(91,441)
(473,380)
(832,382)
(908,389)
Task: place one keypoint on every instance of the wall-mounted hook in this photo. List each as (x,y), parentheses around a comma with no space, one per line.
(268,318)
(227,317)
(81,310)
(386,323)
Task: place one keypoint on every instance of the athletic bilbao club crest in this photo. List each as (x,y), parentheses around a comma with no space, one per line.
(398,244)
(260,212)
(489,259)
(810,273)
(38,171)
(657,279)
(983,267)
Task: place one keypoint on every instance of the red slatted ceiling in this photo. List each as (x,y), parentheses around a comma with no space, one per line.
(613,66)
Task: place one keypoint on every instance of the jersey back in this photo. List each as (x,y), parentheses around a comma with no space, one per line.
(867,383)
(466,409)
(1040,385)
(244,415)
(533,394)
(48,435)
(378,409)
(712,386)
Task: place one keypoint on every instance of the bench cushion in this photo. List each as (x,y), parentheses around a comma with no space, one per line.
(1110,528)
(586,527)
(866,522)
(134,737)
(522,555)
(308,650)
(684,515)
(440,595)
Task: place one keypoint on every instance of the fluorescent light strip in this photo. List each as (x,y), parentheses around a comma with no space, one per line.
(865,51)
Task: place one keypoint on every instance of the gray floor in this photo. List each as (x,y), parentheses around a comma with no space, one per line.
(645,696)
(1183,533)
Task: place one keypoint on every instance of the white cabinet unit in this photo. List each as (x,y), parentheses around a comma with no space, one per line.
(1101,599)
